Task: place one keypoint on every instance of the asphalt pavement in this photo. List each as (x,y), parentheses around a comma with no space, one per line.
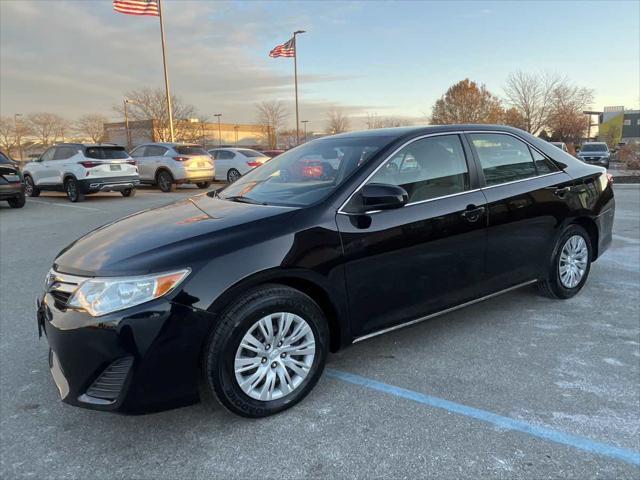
(519,386)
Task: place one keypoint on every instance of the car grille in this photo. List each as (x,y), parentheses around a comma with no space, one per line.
(61,286)
(110,382)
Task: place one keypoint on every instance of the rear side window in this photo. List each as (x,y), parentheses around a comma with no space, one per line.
(190,150)
(543,164)
(106,153)
(503,158)
(225,155)
(62,153)
(429,168)
(154,151)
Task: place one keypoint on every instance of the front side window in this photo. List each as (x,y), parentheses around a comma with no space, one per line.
(154,151)
(503,158)
(428,168)
(48,155)
(306,174)
(62,153)
(138,152)
(225,155)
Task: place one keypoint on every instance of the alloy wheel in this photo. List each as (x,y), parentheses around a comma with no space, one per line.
(28,187)
(233,175)
(275,356)
(72,190)
(573,261)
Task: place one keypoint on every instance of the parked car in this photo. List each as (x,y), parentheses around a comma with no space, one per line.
(232,163)
(79,169)
(236,296)
(595,153)
(170,164)
(561,145)
(11,182)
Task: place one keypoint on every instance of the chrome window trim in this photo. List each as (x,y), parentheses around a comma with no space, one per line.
(441,312)
(462,132)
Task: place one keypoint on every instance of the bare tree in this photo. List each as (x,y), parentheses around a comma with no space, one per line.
(374,121)
(91,126)
(337,121)
(7,134)
(151,104)
(532,95)
(271,115)
(467,102)
(47,127)
(566,120)
(514,118)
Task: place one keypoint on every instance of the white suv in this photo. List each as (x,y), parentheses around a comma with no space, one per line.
(79,169)
(168,164)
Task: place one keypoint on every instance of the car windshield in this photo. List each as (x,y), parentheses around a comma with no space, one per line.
(106,153)
(4,159)
(594,147)
(251,153)
(190,150)
(306,174)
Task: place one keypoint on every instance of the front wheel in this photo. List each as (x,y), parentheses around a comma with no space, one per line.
(73,190)
(570,264)
(129,192)
(266,353)
(30,188)
(203,185)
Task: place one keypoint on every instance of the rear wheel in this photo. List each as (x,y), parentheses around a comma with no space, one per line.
(73,190)
(233,175)
(30,188)
(570,264)
(203,184)
(129,192)
(17,202)
(165,181)
(266,353)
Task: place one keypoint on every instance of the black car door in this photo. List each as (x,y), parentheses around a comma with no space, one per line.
(527,200)
(406,263)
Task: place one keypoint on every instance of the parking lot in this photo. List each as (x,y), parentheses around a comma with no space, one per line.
(517,386)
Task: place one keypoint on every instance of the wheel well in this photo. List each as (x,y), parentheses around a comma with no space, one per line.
(592,229)
(66,177)
(317,293)
(162,169)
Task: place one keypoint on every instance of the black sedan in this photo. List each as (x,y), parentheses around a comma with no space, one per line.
(11,182)
(236,296)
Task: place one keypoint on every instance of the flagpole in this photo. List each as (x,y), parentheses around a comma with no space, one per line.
(166,72)
(295,76)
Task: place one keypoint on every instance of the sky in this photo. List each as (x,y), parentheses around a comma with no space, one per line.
(373,57)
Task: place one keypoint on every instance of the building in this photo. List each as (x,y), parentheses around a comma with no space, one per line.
(617,125)
(208,134)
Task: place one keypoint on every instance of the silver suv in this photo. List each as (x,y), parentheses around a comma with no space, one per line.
(79,169)
(169,164)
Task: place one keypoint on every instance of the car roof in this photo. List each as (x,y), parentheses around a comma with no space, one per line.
(401,132)
(594,143)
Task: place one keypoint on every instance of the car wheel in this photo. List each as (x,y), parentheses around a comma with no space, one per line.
(165,181)
(29,187)
(73,190)
(570,264)
(129,192)
(233,175)
(203,184)
(17,202)
(266,353)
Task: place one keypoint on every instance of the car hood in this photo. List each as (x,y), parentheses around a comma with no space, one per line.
(178,235)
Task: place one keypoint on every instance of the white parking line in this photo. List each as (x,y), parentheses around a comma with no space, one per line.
(65,205)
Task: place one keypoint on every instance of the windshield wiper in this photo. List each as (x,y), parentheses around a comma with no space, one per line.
(243,199)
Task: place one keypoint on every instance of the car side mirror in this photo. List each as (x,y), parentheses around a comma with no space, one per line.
(382,196)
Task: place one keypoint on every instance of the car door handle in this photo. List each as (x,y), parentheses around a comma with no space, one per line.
(472,213)
(561,192)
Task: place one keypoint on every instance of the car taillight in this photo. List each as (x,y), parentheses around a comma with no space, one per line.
(254,164)
(312,171)
(132,162)
(89,164)
(181,159)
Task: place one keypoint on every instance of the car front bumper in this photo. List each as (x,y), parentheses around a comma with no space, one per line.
(139,359)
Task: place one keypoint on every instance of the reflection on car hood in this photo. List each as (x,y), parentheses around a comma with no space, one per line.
(155,240)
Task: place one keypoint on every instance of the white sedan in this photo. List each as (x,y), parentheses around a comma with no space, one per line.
(232,163)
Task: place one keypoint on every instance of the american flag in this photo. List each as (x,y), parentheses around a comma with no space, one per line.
(137,7)
(285,50)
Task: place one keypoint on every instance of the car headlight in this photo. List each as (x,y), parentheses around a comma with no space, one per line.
(99,296)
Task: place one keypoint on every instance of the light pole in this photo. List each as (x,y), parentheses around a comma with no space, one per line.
(219,131)
(305,129)
(126,123)
(236,128)
(18,136)
(295,76)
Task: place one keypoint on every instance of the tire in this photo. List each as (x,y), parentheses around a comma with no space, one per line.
(165,181)
(17,202)
(73,190)
(233,175)
(557,286)
(129,192)
(203,185)
(30,188)
(219,382)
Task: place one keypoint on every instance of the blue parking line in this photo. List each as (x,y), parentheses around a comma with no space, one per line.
(581,443)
